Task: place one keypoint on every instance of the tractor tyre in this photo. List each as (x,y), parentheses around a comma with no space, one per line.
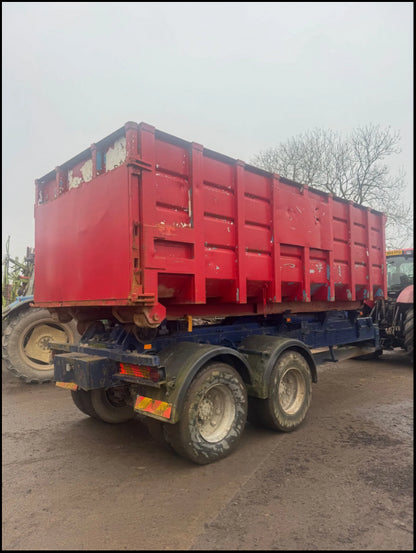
(409,332)
(25,340)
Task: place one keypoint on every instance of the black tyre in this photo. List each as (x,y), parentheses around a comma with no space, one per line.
(409,332)
(82,400)
(25,340)
(157,430)
(290,395)
(213,417)
(110,405)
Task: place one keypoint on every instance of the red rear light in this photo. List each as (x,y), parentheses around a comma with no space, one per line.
(134,370)
(154,375)
(150,373)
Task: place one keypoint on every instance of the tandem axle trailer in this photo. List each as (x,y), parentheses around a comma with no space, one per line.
(202,286)
(260,367)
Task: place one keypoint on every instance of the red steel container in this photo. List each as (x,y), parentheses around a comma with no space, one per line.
(149,225)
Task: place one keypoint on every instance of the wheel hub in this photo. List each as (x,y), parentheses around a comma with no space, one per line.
(37,345)
(205,410)
(291,391)
(216,413)
(43,343)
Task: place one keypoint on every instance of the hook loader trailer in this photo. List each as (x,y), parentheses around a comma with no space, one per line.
(206,291)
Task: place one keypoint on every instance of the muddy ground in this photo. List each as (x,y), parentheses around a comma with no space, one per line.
(342,481)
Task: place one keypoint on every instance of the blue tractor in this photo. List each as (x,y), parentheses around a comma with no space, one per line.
(26,330)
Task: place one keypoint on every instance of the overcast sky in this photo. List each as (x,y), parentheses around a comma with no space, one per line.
(235,77)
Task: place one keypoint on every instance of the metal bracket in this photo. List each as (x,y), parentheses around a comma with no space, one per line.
(139,163)
(332,358)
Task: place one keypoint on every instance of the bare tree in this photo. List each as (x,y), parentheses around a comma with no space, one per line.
(351,167)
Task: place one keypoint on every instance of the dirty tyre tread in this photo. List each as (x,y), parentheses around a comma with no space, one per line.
(106,411)
(14,327)
(269,412)
(82,400)
(157,431)
(409,333)
(185,436)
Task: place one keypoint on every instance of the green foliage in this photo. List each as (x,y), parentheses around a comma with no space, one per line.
(16,275)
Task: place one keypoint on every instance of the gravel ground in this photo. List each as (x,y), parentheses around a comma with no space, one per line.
(341,481)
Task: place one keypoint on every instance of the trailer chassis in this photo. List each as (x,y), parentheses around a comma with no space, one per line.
(198,383)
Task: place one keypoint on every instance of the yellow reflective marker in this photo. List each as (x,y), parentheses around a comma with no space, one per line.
(154,406)
(189,317)
(67,385)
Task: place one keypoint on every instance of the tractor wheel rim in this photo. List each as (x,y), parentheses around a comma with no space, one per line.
(34,344)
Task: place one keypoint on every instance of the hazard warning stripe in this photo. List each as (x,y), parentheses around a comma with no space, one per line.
(67,385)
(154,406)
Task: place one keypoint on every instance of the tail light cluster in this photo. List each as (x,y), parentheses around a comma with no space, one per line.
(149,373)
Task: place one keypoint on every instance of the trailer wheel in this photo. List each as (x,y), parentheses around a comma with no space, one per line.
(157,431)
(409,332)
(82,400)
(213,417)
(290,394)
(25,343)
(109,404)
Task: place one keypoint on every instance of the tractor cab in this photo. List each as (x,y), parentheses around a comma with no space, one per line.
(400,270)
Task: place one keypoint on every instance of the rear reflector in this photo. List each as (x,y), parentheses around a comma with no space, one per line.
(67,385)
(153,406)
